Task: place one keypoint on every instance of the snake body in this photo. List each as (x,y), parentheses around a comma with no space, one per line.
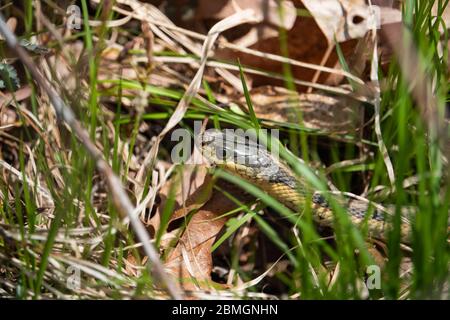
(252,162)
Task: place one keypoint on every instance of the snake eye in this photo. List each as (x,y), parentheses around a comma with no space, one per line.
(221,153)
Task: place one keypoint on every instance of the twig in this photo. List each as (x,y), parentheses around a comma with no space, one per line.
(323,63)
(120,199)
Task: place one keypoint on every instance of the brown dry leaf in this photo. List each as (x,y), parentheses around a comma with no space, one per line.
(266,10)
(196,200)
(337,114)
(445,15)
(21,94)
(193,189)
(64,70)
(259,32)
(12,24)
(132,265)
(8,119)
(191,260)
(348,19)
(305,42)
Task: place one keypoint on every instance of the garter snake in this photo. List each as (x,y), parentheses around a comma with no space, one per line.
(254,163)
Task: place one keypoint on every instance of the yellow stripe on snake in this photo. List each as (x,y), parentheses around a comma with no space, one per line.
(252,162)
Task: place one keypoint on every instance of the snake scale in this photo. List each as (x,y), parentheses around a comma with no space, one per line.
(254,163)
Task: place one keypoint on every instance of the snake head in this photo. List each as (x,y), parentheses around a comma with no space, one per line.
(237,152)
(216,146)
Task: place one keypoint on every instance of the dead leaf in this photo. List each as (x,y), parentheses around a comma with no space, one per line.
(305,43)
(132,266)
(195,200)
(265,10)
(191,260)
(21,94)
(445,15)
(342,19)
(197,241)
(257,33)
(192,190)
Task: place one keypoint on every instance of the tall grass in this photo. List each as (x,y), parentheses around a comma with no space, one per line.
(35,254)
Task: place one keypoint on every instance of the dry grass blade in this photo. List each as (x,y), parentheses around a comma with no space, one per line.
(228,23)
(377,100)
(119,196)
(421,83)
(142,12)
(44,192)
(100,200)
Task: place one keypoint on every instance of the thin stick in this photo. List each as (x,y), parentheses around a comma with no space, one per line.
(120,198)
(323,62)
